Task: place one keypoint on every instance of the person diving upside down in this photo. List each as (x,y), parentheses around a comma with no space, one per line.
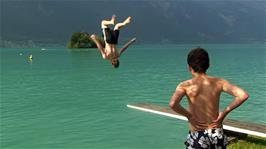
(110,36)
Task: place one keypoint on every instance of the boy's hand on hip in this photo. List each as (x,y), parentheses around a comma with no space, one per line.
(218,122)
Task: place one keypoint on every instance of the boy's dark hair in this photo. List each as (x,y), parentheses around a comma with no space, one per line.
(116,65)
(198,59)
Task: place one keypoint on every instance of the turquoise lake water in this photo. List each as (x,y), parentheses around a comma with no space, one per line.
(66,99)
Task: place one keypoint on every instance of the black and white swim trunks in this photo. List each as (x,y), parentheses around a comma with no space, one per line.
(110,36)
(207,139)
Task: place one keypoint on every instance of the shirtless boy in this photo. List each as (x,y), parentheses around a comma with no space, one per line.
(203,94)
(111,39)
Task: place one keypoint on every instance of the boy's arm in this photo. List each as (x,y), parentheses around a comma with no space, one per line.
(98,44)
(174,103)
(126,46)
(240,96)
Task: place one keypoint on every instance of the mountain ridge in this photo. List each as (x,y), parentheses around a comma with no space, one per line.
(226,21)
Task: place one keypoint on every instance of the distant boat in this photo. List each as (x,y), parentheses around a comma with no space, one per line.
(43,49)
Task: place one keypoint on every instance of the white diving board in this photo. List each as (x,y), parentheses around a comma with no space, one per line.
(230,125)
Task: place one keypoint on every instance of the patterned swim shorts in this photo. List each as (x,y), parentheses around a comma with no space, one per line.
(207,139)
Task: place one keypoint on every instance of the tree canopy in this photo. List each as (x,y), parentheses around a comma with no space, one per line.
(82,40)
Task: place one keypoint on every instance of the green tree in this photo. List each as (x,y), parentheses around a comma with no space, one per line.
(82,40)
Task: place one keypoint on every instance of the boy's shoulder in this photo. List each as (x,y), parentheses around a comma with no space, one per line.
(217,79)
(189,82)
(185,83)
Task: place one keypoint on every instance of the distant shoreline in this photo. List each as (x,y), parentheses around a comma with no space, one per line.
(37,44)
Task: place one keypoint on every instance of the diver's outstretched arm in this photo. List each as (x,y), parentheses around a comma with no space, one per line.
(126,46)
(98,44)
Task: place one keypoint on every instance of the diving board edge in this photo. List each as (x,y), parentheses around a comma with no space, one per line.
(225,126)
(158,112)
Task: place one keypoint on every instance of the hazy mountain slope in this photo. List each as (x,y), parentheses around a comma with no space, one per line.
(153,21)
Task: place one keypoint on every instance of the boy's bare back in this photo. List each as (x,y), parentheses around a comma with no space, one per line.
(203,93)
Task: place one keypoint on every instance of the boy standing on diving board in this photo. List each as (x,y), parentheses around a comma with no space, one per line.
(203,94)
(111,39)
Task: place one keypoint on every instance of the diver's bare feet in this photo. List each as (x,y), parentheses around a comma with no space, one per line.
(113,19)
(128,20)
